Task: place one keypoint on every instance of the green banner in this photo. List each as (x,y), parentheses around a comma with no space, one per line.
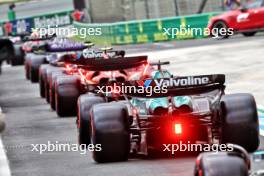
(143,31)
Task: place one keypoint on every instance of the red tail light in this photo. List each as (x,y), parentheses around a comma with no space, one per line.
(178,128)
(68,68)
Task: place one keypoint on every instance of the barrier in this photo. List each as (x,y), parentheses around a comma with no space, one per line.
(105,39)
(145,31)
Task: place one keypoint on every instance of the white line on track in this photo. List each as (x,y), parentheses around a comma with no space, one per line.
(165,45)
(4,164)
(261,132)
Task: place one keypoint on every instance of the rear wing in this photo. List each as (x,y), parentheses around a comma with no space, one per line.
(88,53)
(29,38)
(79,59)
(177,86)
(45,47)
(118,63)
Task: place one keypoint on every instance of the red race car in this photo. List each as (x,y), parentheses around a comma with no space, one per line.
(247,20)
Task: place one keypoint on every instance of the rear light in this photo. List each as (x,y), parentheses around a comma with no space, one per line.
(68,68)
(178,128)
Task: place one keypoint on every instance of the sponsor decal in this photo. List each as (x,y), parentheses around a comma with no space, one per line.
(242,17)
(177,82)
(52,21)
(87,53)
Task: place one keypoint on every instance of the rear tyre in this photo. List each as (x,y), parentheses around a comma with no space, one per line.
(85,103)
(52,80)
(67,91)
(249,34)
(35,63)
(18,58)
(42,75)
(240,121)
(27,65)
(110,131)
(46,77)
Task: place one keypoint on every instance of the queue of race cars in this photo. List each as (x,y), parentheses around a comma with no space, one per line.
(153,108)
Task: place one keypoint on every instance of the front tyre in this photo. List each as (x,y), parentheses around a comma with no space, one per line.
(249,34)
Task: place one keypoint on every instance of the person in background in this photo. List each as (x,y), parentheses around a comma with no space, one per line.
(11,13)
(78,15)
(232,4)
(8,28)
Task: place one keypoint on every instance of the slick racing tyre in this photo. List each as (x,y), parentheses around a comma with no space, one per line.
(110,130)
(249,34)
(67,91)
(42,78)
(18,58)
(34,65)
(27,65)
(51,82)
(47,74)
(240,121)
(220,164)
(85,103)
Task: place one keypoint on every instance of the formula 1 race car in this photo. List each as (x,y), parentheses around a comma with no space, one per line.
(92,72)
(248,20)
(68,65)
(39,49)
(192,108)
(236,162)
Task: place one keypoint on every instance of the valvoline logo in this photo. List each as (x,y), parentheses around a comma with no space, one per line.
(145,83)
(176,82)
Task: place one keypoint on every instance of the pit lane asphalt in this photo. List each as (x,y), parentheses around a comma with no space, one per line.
(30,120)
